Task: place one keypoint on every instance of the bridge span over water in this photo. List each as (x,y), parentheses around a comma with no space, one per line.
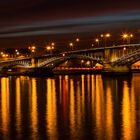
(112,58)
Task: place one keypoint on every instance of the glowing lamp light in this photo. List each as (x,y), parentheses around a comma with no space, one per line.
(63,54)
(77,39)
(107,35)
(125,36)
(48,47)
(88,63)
(71,44)
(102,35)
(52,43)
(82,61)
(124,48)
(96,40)
(131,35)
(33,47)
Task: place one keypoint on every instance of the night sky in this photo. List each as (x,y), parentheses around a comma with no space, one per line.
(23,22)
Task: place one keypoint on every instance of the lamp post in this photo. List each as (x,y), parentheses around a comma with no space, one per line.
(127,37)
(52,44)
(32,49)
(105,36)
(82,61)
(71,45)
(97,41)
(77,40)
(50,49)
(74,43)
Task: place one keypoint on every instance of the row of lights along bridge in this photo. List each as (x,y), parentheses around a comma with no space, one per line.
(50,48)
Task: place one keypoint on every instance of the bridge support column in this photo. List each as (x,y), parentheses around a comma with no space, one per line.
(116,69)
(34,62)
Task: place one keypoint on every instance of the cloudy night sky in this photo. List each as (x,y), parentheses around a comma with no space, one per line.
(27,21)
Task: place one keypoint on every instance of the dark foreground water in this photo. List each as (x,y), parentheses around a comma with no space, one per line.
(82,107)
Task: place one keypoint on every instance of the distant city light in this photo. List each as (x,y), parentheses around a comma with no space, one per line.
(77,39)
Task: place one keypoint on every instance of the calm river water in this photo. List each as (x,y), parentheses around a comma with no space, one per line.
(80,107)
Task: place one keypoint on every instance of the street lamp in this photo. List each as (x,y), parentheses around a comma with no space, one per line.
(105,36)
(97,41)
(71,45)
(88,63)
(77,39)
(52,44)
(82,61)
(32,49)
(17,52)
(127,37)
(50,48)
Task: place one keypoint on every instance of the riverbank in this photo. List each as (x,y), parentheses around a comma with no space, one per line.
(77,71)
(45,72)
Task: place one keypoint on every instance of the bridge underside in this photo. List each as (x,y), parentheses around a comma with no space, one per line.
(77,63)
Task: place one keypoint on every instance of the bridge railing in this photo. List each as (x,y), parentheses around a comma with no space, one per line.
(127,58)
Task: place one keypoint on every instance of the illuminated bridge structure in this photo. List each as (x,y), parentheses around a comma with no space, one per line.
(22,62)
(56,61)
(113,58)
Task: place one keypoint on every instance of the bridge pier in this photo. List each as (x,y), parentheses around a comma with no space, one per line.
(34,62)
(115,69)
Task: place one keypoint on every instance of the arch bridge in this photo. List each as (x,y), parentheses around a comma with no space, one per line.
(113,58)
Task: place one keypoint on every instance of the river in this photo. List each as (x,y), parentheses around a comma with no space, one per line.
(70,107)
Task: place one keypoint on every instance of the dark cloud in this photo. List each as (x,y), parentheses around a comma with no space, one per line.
(23,18)
(73,25)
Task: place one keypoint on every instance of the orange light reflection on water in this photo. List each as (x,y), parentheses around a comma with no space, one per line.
(128,114)
(51,111)
(83,106)
(109,115)
(99,109)
(18,108)
(5,106)
(34,112)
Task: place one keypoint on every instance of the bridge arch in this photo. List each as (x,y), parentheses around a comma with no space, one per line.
(13,65)
(56,61)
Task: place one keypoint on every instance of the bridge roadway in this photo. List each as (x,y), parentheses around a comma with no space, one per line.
(102,48)
(123,63)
